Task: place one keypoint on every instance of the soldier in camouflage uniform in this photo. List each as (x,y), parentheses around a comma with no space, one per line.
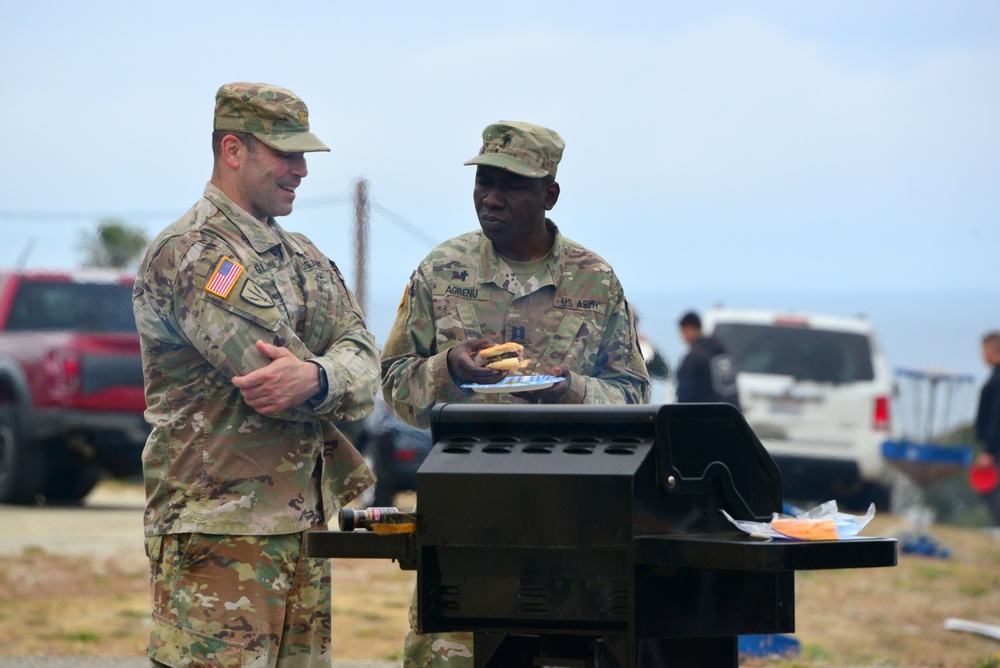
(516,279)
(252,347)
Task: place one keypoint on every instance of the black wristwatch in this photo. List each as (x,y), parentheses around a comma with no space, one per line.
(324,384)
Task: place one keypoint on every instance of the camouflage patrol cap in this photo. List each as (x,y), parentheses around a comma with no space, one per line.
(522,148)
(276,116)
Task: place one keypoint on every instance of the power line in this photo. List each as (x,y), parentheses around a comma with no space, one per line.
(404,224)
(48,216)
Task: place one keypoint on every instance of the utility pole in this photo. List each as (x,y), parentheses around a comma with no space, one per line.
(362,210)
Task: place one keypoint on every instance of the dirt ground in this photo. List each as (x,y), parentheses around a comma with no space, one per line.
(87,596)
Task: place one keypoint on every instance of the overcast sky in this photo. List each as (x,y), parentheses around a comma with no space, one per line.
(816,146)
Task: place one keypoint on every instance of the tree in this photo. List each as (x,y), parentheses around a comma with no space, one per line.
(114,244)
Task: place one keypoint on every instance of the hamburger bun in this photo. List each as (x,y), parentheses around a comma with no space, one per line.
(502,357)
(500,349)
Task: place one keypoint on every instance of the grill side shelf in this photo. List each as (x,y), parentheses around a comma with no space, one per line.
(363,545)
(762,555)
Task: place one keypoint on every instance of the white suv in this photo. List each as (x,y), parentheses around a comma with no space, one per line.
(816,390)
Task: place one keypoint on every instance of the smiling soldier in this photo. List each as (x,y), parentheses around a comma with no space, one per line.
(516,279)
(252,346)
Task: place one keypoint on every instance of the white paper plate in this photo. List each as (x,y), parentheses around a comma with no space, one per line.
(516,384)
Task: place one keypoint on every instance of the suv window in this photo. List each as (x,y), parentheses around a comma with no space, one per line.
(84,307)
(805,354)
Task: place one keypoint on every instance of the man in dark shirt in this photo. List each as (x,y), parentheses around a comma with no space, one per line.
(988,419)
(708,372)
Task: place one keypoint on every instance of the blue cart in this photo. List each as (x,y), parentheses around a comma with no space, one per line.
(930,408)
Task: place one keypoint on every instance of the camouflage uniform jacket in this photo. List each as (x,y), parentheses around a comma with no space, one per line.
(571,312)
(212,464)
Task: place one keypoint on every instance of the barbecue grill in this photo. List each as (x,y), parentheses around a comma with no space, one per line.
(592,536)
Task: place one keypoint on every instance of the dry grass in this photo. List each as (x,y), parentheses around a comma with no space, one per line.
(895,616)
(74,606)
(878,617)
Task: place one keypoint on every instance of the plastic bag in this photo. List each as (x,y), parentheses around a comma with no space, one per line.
(824,522)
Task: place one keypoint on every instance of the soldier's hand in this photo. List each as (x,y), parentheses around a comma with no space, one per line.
(284,383)
(462,365)
(984,459)
(550,395)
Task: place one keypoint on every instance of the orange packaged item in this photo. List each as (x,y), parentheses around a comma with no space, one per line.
(824,522)
(806,529)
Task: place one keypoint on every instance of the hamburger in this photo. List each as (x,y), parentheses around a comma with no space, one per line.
(502,357)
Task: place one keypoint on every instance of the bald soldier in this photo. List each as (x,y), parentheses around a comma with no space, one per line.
(516,279)
(252,346)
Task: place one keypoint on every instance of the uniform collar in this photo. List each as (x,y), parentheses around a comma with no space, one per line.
(495,269)
(261,236)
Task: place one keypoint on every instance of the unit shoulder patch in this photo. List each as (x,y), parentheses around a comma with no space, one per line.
(256,295)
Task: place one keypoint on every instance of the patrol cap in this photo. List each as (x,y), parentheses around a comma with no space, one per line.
(275,116)
(522,148)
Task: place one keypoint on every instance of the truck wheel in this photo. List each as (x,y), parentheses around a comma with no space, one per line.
(72,482)
(381,494)
(880,495)
(868,493)
(23,467)
(385,488)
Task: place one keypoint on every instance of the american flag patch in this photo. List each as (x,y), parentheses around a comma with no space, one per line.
(224,278)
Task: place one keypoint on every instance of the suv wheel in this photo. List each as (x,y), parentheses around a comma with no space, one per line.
(23,467)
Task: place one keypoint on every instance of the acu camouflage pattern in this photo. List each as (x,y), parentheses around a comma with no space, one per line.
(275,115)
(238,601)
(572,312)
(212,464)
(523,148)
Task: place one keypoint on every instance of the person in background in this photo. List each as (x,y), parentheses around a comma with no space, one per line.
(518,279)
(707,374)
(252,347)
(988,420)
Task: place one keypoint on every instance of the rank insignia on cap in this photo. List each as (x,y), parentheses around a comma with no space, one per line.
(224,278)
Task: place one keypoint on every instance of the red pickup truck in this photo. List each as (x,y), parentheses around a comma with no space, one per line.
(71,389)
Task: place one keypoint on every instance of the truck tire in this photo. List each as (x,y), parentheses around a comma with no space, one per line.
(71,482)
(23,466)
(880,495)
(385,488)
(869,492)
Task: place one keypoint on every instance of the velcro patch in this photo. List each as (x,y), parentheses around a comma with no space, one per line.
(579,303)
(224,277)
(480,293)
(459,281)
(256,295)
